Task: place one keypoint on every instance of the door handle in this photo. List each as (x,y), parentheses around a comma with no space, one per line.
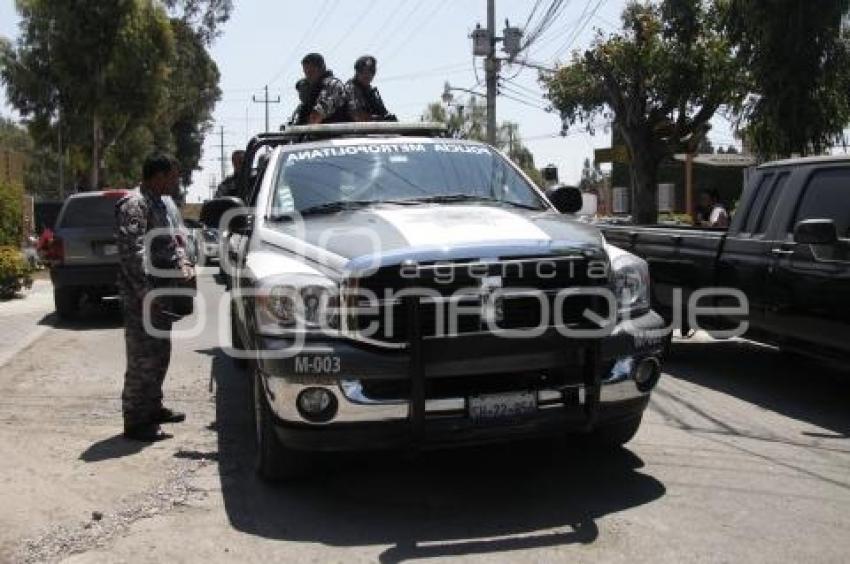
(782,252)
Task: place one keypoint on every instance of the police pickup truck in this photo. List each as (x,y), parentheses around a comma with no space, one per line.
(392,287)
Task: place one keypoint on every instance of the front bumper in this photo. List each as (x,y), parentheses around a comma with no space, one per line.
(603,389)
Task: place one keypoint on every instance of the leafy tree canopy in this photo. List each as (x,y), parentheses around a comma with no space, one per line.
(661,78)
(123,76)
(797,56)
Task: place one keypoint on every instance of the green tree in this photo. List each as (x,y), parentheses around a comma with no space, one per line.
(798,59)
(158,84)
(192,94)
(663,75)
(204,17)
(102,65)
(468,120)
(11,216)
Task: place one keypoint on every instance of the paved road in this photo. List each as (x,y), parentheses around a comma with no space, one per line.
(743,457)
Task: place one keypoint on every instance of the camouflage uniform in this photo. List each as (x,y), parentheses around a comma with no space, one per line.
(328,97)
(366,100)
(147,356)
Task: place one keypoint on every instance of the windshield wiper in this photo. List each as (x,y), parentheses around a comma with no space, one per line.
(448,198)
(331,207)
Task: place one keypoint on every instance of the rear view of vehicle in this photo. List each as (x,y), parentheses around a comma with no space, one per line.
(83,254)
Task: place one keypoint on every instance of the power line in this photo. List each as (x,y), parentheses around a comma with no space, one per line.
(385,41)
(363,15)
(579,29)
(567,30)
(445,69)
(530,92)
(536,99)
(307,32)
(525,102)
(429,17)
(392,16)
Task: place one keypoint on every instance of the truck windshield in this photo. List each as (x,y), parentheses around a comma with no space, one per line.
(327,179)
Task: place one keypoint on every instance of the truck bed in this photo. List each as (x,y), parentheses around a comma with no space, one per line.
(679,257)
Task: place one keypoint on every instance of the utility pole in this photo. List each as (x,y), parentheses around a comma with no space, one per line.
(213,186)
(266,101)
(484,42)
(221,146)
(491,68)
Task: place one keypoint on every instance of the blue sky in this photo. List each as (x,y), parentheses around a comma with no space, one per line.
(419,45)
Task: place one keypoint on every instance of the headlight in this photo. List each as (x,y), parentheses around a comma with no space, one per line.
(631,283)
(301,302)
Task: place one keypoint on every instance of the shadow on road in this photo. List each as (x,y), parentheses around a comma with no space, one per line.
(450,503)
(797,388)
(114,447)
(100,315)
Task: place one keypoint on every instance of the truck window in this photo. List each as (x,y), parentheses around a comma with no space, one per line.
(766,212)
(376,172)
(756,203)
(827,196)
(89,212)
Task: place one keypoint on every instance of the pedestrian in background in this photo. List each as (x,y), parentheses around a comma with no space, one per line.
(148,356)
(364,100)
(228,186)
(711,211)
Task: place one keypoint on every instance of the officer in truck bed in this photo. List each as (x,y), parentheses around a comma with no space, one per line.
(364,100)
(327,101)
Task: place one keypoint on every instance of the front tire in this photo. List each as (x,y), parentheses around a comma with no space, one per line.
(236,340)
(274,461)
(612,435)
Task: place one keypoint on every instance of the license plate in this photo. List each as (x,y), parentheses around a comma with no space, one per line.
(492,407)
(110,249)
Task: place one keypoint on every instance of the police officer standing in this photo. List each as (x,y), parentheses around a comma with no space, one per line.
(326,101)
(364,100)
(148,355)
(228,185)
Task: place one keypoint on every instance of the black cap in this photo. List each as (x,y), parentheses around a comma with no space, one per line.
(314,59)
(366,62)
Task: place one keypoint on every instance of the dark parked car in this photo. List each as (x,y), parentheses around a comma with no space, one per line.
(83,254)
(787,250)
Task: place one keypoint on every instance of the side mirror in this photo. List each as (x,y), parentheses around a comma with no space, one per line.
(816,232)
(566,199)
(213,211)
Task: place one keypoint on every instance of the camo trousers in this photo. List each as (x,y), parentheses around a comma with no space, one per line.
(147,362)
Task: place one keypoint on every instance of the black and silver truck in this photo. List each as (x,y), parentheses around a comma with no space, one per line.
(392,287)
(787,252)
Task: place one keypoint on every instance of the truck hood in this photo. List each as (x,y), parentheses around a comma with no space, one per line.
(438,232)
